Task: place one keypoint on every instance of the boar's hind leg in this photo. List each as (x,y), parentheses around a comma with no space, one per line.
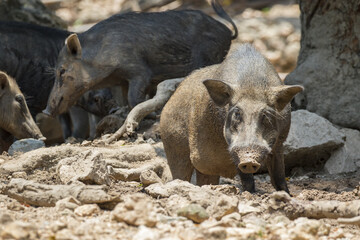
(203,179)
(276,170)
(247,181)
(137,89)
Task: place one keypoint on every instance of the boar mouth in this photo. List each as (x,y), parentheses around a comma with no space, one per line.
(53,111)
(49,112)
(249,159)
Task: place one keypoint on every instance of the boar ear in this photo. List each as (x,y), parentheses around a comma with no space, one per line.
(73,45)
(219,91)
(282,95)
(4,82)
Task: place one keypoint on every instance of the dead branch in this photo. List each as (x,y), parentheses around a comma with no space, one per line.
(281,201)
(164,91)
(44,195)
(133,174)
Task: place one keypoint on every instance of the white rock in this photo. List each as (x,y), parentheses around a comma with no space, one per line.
(245,209)
(25,145)
(243,233)
(5,218)
(19,230)
(173,187)
(149,177)
(87,210)
(87,166)
(136,209)
(19,175)
(311,139)
(67,203)
(145,233)
(346,158)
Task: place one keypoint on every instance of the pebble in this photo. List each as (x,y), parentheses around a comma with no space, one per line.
(194,212)
(87,210)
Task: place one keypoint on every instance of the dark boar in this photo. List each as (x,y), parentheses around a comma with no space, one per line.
(99,102)
(15,117)
(137,50)
(28,53)
(228,118)
(32,64)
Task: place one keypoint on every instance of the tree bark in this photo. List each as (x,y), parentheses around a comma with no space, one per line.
(30,11)
(329,60)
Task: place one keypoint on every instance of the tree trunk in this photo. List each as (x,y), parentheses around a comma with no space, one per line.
(329,60)
(30,11)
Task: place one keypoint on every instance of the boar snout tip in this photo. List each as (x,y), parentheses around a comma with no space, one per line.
(42,138)
(249,166)
(47,112)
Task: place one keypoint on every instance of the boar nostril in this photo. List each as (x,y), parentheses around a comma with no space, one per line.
(249,167)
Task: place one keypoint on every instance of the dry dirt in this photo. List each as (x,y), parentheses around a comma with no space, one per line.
(152,212)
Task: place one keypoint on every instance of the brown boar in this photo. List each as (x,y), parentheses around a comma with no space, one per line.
(15,118)
(229,118)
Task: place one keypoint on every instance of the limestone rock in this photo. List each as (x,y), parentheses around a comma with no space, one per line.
(5,218)
(231,220)
(223,206)
(173,187)
(25,145)
(245,209)
(136,210)
(19,175)
(311,140)
(42,195)
(87,167)
(19,230)
(87,210)
(149,177)
(145,233)
(346,158)
(194,212)
(67,203)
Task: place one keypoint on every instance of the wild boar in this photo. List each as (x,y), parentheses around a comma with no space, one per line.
(15,118)
(137,51)
(229,118)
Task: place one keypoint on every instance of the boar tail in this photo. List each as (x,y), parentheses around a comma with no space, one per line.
(221,12)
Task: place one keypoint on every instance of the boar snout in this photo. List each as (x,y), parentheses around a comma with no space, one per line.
(249,166)
(249,159)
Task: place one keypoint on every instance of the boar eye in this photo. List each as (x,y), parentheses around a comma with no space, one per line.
(62,71)
(266,118)
(237,115)
(19,98)
(97,99)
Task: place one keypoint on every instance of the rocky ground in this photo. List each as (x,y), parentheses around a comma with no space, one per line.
(86,191)
(90,190)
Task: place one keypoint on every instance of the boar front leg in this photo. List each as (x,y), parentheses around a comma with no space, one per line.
(203,179)
(247,181)
(276,168)
(178,157)
(137,89)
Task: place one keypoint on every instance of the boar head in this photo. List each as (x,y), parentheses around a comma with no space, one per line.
(255,119)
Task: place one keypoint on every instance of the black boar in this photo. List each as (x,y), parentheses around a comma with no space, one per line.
(137,51)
